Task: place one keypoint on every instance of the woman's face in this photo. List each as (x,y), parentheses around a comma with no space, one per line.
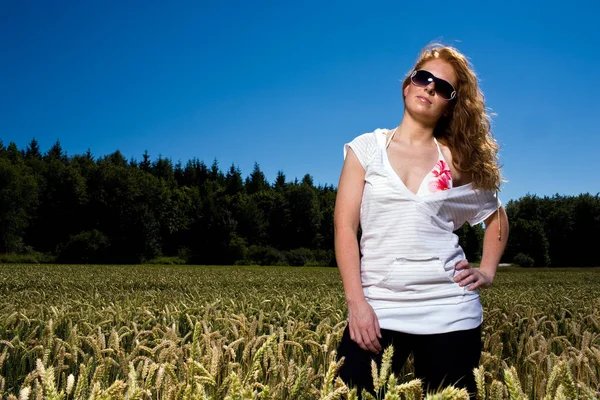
(422,102)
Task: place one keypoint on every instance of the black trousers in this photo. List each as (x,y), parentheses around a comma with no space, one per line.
(439,359)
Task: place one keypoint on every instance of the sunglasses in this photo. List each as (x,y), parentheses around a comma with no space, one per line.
(443,88)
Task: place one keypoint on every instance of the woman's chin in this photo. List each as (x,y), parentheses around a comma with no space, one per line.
(423,114)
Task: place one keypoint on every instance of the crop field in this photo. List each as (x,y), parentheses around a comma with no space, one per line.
(197,332)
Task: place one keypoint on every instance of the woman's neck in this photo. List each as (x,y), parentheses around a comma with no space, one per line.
(413,132)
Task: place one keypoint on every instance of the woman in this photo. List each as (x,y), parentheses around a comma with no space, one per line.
(410,188)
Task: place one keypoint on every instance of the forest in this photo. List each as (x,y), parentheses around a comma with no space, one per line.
(56,207)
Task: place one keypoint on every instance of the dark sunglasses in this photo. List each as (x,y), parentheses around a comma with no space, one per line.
(443,88)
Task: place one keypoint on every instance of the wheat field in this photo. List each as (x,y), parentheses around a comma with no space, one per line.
(196,332)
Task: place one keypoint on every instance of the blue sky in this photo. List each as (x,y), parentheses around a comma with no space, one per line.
(286,84)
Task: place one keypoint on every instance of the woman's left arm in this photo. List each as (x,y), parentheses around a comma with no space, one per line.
(493,247)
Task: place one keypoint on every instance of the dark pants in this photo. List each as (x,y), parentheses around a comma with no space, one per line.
(439,359)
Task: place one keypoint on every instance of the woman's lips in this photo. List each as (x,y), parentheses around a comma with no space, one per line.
(423,99)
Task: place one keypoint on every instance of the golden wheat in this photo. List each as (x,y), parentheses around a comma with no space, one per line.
(149,332)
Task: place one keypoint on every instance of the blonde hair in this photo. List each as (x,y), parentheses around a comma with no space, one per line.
(466,129)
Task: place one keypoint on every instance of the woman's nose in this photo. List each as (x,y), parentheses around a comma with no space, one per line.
(430,88)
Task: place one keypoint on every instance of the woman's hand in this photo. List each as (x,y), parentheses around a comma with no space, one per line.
(364,326)
(471,276)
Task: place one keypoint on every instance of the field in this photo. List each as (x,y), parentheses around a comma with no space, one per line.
(104,332)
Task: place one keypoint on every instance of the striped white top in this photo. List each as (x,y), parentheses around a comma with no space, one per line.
(409,248)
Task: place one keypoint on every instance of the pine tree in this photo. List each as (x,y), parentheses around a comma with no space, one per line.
(33,150)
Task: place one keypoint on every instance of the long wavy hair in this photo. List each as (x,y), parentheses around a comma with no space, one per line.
(466,130)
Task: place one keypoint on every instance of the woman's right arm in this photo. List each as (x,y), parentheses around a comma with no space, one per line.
(363,323)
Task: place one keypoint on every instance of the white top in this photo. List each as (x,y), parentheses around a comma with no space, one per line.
(409,248)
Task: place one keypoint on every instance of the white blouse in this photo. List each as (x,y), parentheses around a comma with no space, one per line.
(409,248)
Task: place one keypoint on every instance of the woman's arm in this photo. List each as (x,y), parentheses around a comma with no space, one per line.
(363,324)
(493,247)
(346,220)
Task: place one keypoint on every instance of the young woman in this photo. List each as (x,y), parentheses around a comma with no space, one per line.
(410,188)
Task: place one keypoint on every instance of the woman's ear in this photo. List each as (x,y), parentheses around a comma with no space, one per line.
(405,91)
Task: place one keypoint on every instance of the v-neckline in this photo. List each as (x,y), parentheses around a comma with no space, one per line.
(401,184)
(388,165)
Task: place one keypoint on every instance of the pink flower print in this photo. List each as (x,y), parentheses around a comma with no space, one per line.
(441,168)
(438,184)
(442,177)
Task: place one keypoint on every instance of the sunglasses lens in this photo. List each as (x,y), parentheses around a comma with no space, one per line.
(444,89)
(423,78)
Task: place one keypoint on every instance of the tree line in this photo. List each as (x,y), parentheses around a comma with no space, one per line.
(86,209)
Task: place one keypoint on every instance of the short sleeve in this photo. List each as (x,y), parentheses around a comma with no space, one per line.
(363,146)
(487,202)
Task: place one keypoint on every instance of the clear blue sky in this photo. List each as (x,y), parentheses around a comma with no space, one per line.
(286,84)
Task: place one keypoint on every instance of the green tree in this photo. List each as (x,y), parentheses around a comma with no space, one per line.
(471,240)
(233,181)
(162,168)
(62,200)
(279,184)
(33,150)
(18,197)
(586,225)
(304,216)
(146,163)
(56,153)
(14,154)
(528,237)
(256,182)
